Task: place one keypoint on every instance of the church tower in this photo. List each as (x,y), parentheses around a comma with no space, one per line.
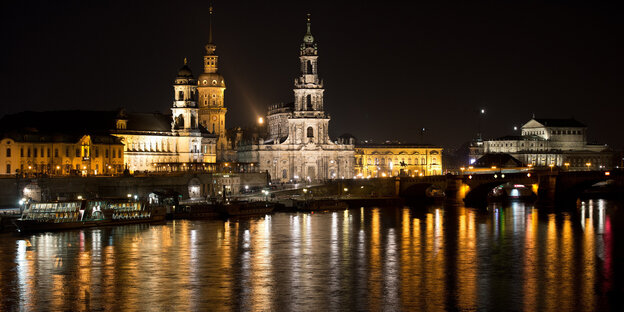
(211,87)
(309,123)
(184,110)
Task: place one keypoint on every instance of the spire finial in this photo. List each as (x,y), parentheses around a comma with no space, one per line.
(533,115)
(210,26)
(308,22)
(185,61)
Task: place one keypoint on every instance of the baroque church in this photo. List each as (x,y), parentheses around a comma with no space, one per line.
(298,145)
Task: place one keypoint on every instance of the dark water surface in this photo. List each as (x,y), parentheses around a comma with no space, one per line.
(438,258)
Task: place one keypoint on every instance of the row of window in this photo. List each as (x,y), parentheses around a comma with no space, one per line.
(66,168)
(78,153)
(566,132)
(402,162)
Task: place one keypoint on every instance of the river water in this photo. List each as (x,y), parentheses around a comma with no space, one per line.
(513,257)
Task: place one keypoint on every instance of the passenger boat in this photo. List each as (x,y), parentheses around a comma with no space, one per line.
(320,204)
(62,215)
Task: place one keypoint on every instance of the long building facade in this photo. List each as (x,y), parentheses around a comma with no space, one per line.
(390,160)
(549,142)
(298,145)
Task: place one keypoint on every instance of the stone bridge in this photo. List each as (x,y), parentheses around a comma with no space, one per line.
(550,187)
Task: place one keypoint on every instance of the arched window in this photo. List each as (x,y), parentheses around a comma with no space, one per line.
(181,96)
(179,122)
(284,174)
(309,71)
(310,132)
(309,102)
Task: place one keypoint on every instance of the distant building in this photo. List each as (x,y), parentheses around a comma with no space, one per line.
(395,159)
(298,145)
(545,142)
(54,153)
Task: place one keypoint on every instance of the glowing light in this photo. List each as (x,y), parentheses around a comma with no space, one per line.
(345,189)
(607,173)
(260,120)
(79,197)
(529,174)
(514,193)
(470,177)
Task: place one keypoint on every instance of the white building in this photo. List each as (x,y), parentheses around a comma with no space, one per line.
(545,142)
(155,141)
(298,146)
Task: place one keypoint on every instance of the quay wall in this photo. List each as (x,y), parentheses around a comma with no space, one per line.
(11,189)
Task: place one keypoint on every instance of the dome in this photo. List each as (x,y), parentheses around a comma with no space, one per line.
(308,38)
(185,72)
(211,80)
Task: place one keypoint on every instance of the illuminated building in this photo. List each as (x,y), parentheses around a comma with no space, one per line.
(158,142)
(211,88)
(298,145)
(107,142)
(545,142)
(395,159)
(43,150)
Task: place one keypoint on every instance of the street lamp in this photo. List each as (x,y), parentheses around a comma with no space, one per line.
(588,165)
(551,166)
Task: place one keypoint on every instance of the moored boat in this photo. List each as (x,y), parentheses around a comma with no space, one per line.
(242,208)
(195,211)
(62,215)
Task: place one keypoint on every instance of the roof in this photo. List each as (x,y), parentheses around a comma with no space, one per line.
(558,122)
(500,160)
(518,138)
(71,123)
(148,122)
(395,145)
(61,138)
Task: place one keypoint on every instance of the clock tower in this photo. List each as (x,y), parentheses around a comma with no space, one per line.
(211,88)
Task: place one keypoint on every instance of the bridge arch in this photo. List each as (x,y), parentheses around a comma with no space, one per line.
(477,196)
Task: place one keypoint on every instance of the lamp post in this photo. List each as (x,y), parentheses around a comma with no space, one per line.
(588,165)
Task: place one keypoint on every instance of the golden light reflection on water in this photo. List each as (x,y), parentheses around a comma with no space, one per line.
(467,260)
(530,286)
(384,258)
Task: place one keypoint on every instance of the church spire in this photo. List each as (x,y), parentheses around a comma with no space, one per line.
(308,47)
(309,32)
(210,47)
(210,26)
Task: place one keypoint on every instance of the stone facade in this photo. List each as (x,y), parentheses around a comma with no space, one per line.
(385,160)
(60,154)
(156,142)
(298,145)
(545,142)
(211,87)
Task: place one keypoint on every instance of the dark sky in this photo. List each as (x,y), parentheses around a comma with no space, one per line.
(390,68)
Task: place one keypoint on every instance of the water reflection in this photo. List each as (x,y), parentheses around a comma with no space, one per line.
(435,258)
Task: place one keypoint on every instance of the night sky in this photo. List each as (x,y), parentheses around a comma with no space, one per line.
(389,68)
